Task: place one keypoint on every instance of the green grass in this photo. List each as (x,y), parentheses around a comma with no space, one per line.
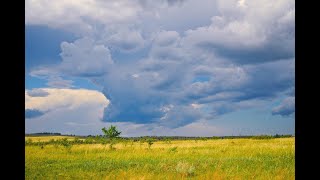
(181,159)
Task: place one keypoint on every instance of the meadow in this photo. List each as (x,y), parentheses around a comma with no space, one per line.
(244,158)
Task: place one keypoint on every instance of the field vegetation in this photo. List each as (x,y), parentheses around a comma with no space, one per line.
(100,157)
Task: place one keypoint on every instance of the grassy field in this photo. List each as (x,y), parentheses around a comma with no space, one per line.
(181,159)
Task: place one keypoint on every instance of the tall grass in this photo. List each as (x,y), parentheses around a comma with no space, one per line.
(208,159)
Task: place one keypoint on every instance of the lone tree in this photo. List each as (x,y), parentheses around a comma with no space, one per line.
(112,133)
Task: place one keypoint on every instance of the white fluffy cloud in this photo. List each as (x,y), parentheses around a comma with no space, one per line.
(249,30)
(84,58)
(64,107)
(64,98)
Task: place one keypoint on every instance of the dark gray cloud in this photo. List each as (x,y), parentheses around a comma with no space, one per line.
(252,55)
(140,90)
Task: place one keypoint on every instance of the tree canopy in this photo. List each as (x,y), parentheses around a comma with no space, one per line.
(111,132)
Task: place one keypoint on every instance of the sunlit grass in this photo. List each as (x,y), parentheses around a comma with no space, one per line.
(211,159)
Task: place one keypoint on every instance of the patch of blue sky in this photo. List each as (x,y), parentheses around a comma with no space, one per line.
(42,45)
(83,83)
(34,82)
(201,78)
(77,83)
(255,121)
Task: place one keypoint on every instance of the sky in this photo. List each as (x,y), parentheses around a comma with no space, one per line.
(167,67)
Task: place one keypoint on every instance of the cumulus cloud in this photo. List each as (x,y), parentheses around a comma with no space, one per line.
(63,107)
(166,38)
(59,98)
(248,31)
(287,107)
(85,17)
(240,56)
(139,91)
(84,58)
(179,116)
(126,40)
(166,45)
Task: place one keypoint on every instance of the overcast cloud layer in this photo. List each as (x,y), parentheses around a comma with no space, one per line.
(183,62)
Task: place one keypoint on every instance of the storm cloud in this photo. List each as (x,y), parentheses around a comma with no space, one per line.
(240,56)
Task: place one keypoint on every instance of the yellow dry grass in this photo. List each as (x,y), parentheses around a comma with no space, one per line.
(185,159)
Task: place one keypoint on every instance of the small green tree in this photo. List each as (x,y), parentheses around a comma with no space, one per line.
(112,133)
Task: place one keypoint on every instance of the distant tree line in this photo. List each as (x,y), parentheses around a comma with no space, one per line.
(161,138)
(99,139)
(43,134)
